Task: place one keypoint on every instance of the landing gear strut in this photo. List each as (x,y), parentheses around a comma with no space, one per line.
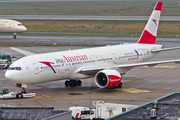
(23,90)
(23,87)
(73,83)
(119,85)
(14,35)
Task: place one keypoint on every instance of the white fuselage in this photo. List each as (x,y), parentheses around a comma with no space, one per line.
(40,68)
(11,26)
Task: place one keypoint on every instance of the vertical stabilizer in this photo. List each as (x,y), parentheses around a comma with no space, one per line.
(149,33)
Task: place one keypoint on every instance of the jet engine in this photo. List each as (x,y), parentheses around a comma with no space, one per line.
(107,78)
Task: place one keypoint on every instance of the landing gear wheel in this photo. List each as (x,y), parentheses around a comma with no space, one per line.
(19,95)
(73,83)
(66,83)
(120,85)
(79,82)
(14,36)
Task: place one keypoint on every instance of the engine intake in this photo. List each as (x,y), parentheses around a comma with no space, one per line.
(107,78)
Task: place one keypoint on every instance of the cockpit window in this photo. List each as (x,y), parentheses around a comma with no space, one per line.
(20,25)
(14,68)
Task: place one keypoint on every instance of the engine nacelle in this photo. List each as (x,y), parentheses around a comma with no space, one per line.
(107,78)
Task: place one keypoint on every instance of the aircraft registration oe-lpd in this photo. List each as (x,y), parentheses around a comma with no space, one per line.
(11,26)
(107,63)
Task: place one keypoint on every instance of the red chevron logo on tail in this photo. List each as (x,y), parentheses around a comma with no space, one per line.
(154,21)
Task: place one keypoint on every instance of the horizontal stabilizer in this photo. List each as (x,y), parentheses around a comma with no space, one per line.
(165,49)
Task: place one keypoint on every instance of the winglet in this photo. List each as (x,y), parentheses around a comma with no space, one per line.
(149,33)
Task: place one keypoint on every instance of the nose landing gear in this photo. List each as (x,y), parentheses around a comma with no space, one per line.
(23,87)
(14,35)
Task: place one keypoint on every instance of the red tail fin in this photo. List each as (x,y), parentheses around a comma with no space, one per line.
(149,33)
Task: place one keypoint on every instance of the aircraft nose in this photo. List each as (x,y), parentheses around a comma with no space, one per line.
(9,76)
(24,28)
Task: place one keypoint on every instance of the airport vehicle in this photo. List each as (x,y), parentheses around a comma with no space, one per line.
(5,94)
(100,111)
(6,57)
(78,111)
(107,64)
(14,58)
(11,26)
(4,63)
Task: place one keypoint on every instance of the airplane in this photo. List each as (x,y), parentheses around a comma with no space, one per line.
(11,26)
(107,64)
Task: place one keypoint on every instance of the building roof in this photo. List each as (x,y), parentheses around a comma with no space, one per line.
(168,108)
(26,113)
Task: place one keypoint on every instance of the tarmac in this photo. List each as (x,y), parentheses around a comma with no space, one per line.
(140,84)
(166,42)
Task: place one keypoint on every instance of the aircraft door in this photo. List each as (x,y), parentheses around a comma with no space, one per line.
(10,24)
(36,68)
(58,73)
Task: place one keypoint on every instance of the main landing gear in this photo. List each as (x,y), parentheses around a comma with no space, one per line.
(73,83)
(119,85)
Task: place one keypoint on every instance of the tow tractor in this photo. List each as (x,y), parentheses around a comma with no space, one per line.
(5,94)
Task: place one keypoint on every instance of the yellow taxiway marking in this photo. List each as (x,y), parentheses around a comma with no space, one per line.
(132,90)
(42,96)
(157,66)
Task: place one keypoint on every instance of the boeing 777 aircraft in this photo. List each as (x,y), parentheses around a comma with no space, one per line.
(107,64)
(11,26)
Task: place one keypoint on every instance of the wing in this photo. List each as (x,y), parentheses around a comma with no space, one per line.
(22,51)
(150,64)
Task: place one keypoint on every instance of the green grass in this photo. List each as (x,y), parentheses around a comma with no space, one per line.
(124,7)
(89,35)
(96,28)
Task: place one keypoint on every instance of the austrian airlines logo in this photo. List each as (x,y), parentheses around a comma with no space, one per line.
(48,64)
(154,21)
(136,53)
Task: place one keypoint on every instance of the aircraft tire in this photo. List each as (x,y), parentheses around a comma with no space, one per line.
(14,36)
(79,82)
(72,83)
(120,85)
(66,83)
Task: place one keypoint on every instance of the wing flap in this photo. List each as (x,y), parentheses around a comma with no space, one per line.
(22,51)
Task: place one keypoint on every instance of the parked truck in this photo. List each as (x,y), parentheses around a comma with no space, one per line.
(5,61)
(79,113)
(100,110)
